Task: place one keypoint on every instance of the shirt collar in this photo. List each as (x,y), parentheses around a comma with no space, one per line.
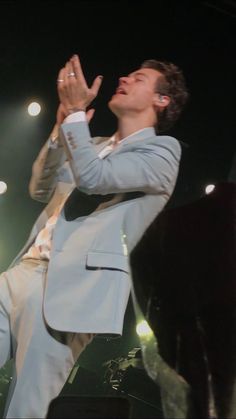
(140,134)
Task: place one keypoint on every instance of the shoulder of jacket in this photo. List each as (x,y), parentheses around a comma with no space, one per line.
(168,140)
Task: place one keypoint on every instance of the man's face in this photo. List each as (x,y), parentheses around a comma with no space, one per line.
(135,93)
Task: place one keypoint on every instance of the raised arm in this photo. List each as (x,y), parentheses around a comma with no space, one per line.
(45,168)
(150,166)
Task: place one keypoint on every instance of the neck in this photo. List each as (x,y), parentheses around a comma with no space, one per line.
(128,127)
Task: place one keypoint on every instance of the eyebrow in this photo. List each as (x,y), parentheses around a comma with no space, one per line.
(138,73)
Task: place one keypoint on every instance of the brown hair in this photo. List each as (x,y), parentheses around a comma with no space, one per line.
(172,84)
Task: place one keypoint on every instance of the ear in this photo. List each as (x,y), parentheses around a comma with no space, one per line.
(162,101)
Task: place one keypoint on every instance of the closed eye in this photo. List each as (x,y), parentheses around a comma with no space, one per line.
(140,77)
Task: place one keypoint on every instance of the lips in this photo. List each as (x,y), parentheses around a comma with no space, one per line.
(121,91)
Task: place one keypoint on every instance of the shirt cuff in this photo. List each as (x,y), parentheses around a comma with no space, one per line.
(75,117)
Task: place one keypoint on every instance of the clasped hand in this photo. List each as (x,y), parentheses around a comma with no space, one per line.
(73,91)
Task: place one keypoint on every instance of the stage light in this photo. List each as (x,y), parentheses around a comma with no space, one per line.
(209,188)
(34,109)
(143,329)
(3,187)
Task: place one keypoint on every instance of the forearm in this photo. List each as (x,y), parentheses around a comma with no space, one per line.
(151,169)
(44,171)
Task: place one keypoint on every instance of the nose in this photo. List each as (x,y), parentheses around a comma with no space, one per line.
(123,79)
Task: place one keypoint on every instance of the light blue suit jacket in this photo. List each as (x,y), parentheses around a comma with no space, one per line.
(88,281)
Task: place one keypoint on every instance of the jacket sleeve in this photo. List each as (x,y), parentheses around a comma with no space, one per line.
(151,168)
(45,172)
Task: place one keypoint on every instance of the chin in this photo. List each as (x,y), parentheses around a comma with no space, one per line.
(112,104)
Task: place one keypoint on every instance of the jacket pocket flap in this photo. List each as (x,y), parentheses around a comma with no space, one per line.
(105,260)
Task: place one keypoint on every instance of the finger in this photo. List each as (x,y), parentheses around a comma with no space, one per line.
(70,71)
(90,114)
(62,87)
(96,85)
(61,83)
(75,62)
(67,71)
(60,77)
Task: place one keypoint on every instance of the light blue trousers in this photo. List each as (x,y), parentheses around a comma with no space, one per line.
(43,358)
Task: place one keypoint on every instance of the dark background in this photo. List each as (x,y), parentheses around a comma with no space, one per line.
(112,39)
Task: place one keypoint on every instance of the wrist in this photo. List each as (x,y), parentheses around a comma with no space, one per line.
(76,109)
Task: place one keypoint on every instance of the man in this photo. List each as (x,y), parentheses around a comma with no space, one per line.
(71,280)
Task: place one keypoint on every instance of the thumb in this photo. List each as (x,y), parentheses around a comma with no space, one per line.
(61,114)
(89,114)
(96,85)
